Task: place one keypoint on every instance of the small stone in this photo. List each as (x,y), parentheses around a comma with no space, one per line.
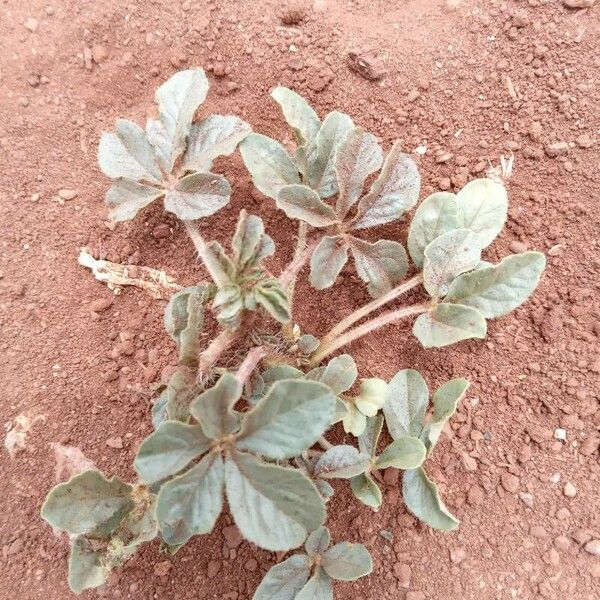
(442,156)
(99,53)
(469,463)
(213,568)
(593,547)
(560,434)
(563,514)
(475,495)
(457,556)
(526,498)
(116,443)
(67,194)
(403,574)
(32,24)
(33,80)
(101,304)
(584,141)
(219,69)
(366,63)
(579,3)
(539,434)
(251,565)
(509,482)
(391,476)
(294,12)
(537,531)
(444,183)
(569,490)
(517,247)
(413,95)
(232,535)
(557,149)
(161,231)
(590,445)
(162,569)
(582,536)
(562,543)
(87,58)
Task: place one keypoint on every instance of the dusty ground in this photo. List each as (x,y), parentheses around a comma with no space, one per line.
(469,80)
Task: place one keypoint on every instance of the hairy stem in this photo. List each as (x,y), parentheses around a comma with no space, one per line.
(324,443)
(254,356)
(212,353)
(363,311)
(325,349)
(212,264)
(288,276)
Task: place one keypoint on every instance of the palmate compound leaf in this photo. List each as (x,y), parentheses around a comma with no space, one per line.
(408,397)
(126,198)
(198,195)
(318,587)
(366,490)
(318,541)
(422,499)
(298,113)
(190,504)
(284,580)
(327,261)
(347,562)
(289,419)
(321,153)
(88,503)
(381,265)
(341,462)
(274,507)
(269,164)
(395,191)
(447,324)
(495,290)
(128,154)
(86,570)
(356,158)
(445,400)
(406,452)
(170,448)
(301,202)
(446,257)
(216,135)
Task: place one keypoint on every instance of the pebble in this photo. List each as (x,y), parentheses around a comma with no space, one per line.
(99,53)
(161,231)
(562,542)
(294,12)
(444,183)
(469,463)
(475,495)
(584,141)
(526,498)
(509,482)
(162,569)
(213,568)
(232,535)
(366,63)
(251,565)
(557,149)
(593,547)
(589,445)
(569,490)
(579,3)
(517,247)
(458,555)
(101,304)
(403,573)
(116,443)
(537,531)
(560,434)
(67,194)
(32,24)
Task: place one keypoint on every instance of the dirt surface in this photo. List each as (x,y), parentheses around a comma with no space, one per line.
(468,81)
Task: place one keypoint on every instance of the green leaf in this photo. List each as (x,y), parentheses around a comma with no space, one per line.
(354,421)
(357,157)
(216,135)
(198,195)
(366,490)
(422,498)
(446,257)
(447,324)
(274,507)
(140,525)
(298,113)
(327,261)
(404,453)
(289,419)
(340,374)
(278,372)
(184,317)
(445,400)
(319,587)
(372,396)
(318,541)
(88,503)
(179,394)
(368,440)
(496,290)
(308,343)
(228,304)
(406,404)
(86,570)
(222,260)
(126,198)
(170,448)
(178,99)
(380,265)
(347,562)
(341,462)
(213,409)
(300,202)
(395,191)
(285,580)
(269,164)
(190,504)
(128,154)
(436,215)
(482,208)
(247,239)
(270,295)
(321,155)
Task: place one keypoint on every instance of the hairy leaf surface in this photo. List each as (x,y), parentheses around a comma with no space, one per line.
(447,324)
(198,195)
(341,462)
(301,202)
(403,453)
(340,374)
(347,562)
(366,490)
(372,396)
(406,404)
(318,541)
(85,567)
(298,113)
(126,198)
(319,587)
(327,261)
(285,580)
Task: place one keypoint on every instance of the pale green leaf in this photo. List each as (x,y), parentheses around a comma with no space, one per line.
(308,343)
(367,441)
(289,419)
(285,580)
(321,155)
(246,242)
(198,195)
(381,265)
(341,462)
(278,372)
(319,587)
(395,191)
(406,403)
(340,374)
(179,394)
(347,562)
(446,257)
(300,202)
(372,396)
(356,158)
(318,541)
(126,198)
(354,421)
(497,289)
(190,504)
(422,499)
(88,503)
(86,570)
(213,409)
(447,324)
(228,304)
(436,215)
(216,135)
(270,295)
(325,489)
(482,208)
(269,164)
(161,141)
(406,452)
(128,154)
(274,507)
(327,261)
(366,490)
(170,448)
(298,113)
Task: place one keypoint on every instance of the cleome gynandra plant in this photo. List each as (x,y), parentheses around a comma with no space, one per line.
(243,418)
